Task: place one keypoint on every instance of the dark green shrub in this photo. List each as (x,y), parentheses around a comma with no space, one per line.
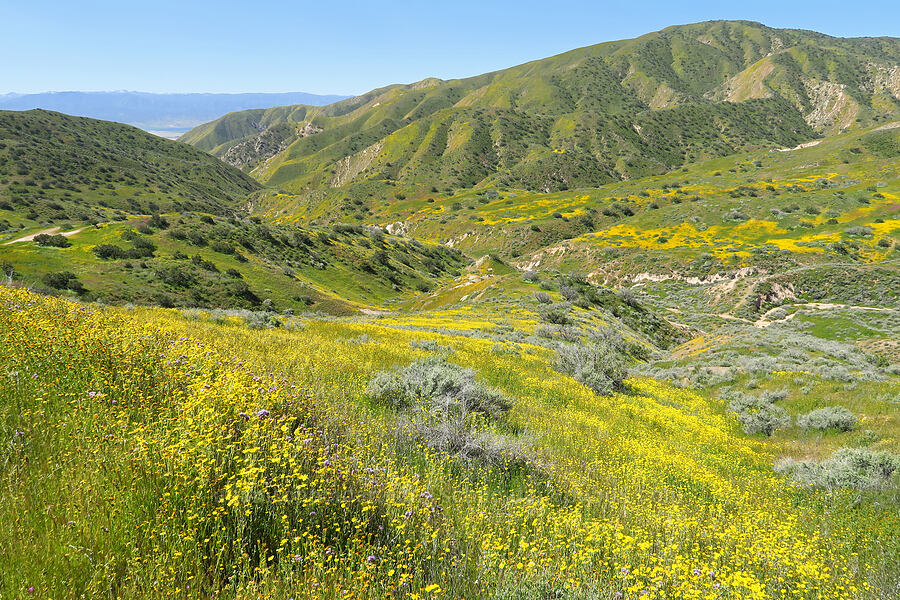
(109,252)
(62,281)
(56,241)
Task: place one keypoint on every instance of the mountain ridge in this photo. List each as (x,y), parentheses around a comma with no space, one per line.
(610,111)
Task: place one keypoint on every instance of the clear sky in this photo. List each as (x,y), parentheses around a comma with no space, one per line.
(343,46)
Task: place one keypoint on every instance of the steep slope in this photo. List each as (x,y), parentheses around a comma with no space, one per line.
(57,168)
(613,111)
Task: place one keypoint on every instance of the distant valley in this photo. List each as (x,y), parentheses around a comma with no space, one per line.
(167,115)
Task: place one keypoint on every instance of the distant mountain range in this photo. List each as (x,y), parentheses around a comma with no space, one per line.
(162,113)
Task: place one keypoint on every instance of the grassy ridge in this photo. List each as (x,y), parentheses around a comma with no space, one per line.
(202,261)
(57,168)
(614,111)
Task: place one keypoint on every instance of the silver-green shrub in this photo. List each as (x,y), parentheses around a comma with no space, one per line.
(831,417)
(854,468)
(438,386)
(599,364)
(760,414)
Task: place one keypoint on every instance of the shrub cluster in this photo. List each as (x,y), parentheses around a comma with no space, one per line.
(832,417)
(56,241)
(599,364)
(439,386)
(854,468)
(760,414)
(62,281)
(450,410)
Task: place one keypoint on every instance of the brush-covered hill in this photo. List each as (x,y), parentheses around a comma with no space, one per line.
(613,111)
(55,168)
(198,260)
(105,211)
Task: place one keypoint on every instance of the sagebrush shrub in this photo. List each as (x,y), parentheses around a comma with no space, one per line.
(543,297)
(760,414)
(456,436)
(598,364)
(831,417)
(439,386)
(855,468)
(557,313)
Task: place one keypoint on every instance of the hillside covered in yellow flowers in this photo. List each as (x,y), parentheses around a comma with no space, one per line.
(156,454)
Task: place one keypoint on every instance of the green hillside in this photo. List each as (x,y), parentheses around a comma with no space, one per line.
(604,113)
(55,168)
(192,260)
(103,211)
(836,199)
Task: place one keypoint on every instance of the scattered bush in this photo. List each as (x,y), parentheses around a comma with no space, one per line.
(176,276)
(262,320)
(557,313)
(456,436)
(853,468)
(832,417)
(56,241)
(110,252)
(62,281)
(599,364)
(437,385)
(569,293)
(759,414)
(735,215)
(157,222)
(858,231)
(222,247)
(428,346)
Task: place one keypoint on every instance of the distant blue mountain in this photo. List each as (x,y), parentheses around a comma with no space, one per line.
(156,111)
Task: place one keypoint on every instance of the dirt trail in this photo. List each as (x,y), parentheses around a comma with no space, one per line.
(51,231)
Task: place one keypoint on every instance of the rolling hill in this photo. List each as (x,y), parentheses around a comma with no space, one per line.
(80,205)
(58,168)
(610,112)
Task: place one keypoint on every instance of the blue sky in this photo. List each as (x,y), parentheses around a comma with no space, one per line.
(342,46)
